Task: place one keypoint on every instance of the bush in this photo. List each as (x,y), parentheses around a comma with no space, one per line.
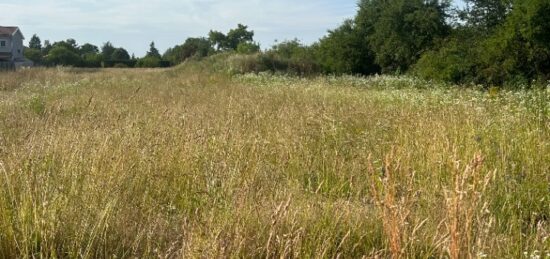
(34,55)
(61,55)
(452,62)
(92,60)
(149,61)
(120,65)
(248,48)
(270,62)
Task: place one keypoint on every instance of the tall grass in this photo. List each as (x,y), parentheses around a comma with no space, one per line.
(190,163)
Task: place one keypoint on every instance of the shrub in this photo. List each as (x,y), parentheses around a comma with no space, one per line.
(120,65)
(248,48)
(149,61)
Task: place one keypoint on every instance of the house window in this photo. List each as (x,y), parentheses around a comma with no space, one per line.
(19,51)
(2,43)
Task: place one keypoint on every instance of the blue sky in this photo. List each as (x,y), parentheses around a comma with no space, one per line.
(133,24)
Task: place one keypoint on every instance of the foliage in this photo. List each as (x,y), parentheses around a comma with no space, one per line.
(192,47)
(88,49)
(62,55)
(489,42)
(33,54)
(248,48)
(149,61)
(153,52)
(455,60)
(239,35)
(511,49)
(217,39)
(69,44)
(345,51)
(120,54)
(120,65)
(521,47)
(486,15)
(92,60)
(399,31)
(289,57)
(107,51)
(234,37)
(47,47)
(35,43)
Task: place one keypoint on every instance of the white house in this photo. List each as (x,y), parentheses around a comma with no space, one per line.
(11,47)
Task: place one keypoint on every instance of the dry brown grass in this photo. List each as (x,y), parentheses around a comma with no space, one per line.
(190,163)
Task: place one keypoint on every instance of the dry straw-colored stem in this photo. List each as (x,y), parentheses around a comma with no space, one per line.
(463,206)
(395,205)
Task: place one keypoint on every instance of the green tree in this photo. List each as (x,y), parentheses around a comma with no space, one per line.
(248,48)
(34,55)
(193,47)
(88,49)
(149,61)
(107,51)
(520,48)
(287,48)
(120,54)
(399,31)
(153,51)
(46,48)
(61,55)
(234,37)
(239,35)
(345,51)
(217,39)
(455,60)
(295,57)
(486,15)
(69,44)
(92,60)
(35,42)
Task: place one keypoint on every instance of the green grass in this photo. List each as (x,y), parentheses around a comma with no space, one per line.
(191,163)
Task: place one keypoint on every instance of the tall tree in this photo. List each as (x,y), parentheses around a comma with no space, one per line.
(198,47)
(107,51)
(239,35)
(69,44)
(35,42)
(217,39)
(520,48)
(234,37)
(61,55)
(88,49)
(120,54)
(46,48)
(345,51)
(486,14)
(153,51)
(399,31)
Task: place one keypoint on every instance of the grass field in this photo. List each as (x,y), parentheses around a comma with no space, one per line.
(191,163)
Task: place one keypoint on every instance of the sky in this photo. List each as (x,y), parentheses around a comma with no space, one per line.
(133,24)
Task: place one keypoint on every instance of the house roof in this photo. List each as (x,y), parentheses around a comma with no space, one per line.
(8,30)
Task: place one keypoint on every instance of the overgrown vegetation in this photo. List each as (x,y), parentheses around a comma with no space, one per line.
(187,162)
(496,43)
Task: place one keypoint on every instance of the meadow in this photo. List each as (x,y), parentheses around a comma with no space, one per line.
(194,163)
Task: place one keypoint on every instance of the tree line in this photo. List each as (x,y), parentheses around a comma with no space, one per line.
(69,53)
(491,42)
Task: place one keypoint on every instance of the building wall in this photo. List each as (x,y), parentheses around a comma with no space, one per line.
(17,46)
(14,44)
(7,48)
